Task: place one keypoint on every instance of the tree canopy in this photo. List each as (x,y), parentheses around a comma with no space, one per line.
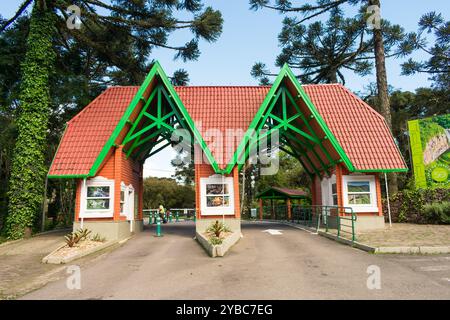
(167,192)
(57,60)
(438,65)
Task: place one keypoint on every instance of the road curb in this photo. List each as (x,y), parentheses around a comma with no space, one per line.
(50,259)
(354,244)
(389,250)
(414,250)
(8,242)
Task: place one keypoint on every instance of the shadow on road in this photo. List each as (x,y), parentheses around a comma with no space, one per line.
(181,229)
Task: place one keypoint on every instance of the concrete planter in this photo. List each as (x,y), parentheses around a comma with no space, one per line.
(52,258)
(218,250)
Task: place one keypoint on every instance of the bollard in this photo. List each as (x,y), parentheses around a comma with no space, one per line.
(158,227)
(170,216)
(176,217)
(154,217)
(195,216)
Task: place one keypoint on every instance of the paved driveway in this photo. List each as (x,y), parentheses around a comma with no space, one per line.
(21,269)
(293,265)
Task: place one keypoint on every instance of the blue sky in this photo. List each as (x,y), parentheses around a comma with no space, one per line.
(250,36)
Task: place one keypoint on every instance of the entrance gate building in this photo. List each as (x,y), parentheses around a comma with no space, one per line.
(342,143)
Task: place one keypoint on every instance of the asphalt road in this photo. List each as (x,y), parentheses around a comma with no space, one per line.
(293,265)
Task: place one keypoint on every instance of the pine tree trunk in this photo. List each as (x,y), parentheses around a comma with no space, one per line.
(26,184)
(332,76)
(382,86)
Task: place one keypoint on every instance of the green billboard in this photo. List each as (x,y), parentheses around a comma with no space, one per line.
(430,151)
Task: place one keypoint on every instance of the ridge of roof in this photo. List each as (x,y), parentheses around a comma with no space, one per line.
(117,99)
(220,86)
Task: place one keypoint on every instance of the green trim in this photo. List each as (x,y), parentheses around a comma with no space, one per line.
(110,142)
(159,149)
(57,149)
(67,176)
(383,170)
(156,70)
(252,128)
(416,152)
(274,93)
(308,125)
(188,119)
(319,119)
(258,122)
(130,134)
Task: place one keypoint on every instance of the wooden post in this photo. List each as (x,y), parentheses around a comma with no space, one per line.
(272,216)
(313,190)
(339,188)
(289,213)
(260,209)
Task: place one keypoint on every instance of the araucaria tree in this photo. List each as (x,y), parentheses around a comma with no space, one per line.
(438,65)
(28,166)
(310,10)
(320,51)
(119,34)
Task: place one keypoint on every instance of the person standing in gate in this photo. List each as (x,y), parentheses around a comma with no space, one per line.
(162,213)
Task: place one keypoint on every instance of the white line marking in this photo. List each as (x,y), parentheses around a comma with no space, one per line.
(273,232)
(435,268)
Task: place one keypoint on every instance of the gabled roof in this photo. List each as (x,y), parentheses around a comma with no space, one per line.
(358,133)
(276,192)
(222,108)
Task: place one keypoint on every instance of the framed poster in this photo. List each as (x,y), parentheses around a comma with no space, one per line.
(217,196)
(430,151)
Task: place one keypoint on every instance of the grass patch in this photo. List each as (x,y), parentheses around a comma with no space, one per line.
(3,239)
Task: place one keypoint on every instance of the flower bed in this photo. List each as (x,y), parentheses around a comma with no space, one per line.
(78,244)
(217,239)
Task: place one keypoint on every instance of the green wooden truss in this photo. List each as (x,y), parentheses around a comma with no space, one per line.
(150,128)
(301,144)
(274,115)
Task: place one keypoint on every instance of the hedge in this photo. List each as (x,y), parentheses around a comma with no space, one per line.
(422,206)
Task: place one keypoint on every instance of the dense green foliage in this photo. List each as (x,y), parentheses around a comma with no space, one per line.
(112,47)
(216,231)
(437,212)
(380,38)
(428,130)
(289,175)
(422,206)
(167,192)
(438,65)
(321,51)
(28,168)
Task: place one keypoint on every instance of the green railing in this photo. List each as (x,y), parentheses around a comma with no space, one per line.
(175,215)
(331,218)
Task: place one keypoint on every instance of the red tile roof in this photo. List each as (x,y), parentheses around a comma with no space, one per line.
(228,109)
(360,130)
(88,131)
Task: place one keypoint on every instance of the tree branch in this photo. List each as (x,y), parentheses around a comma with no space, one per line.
(22,8)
